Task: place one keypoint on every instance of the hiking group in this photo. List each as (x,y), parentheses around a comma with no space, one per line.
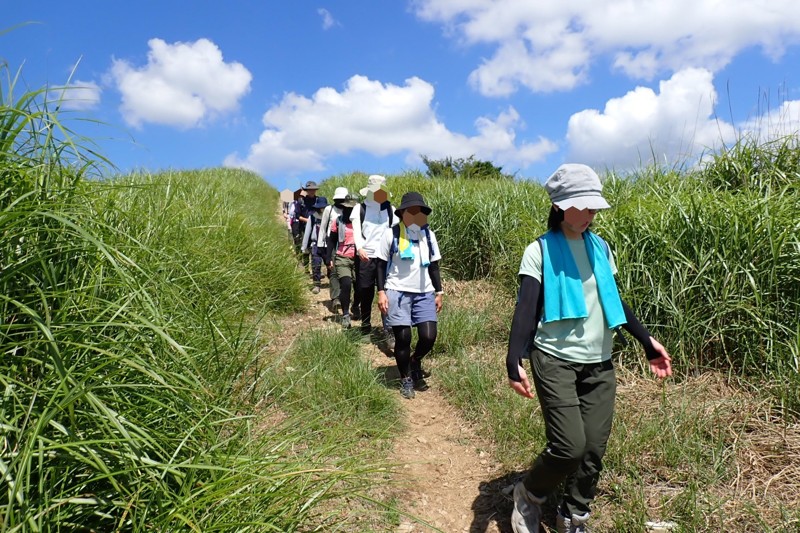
(371,248)
(567,311)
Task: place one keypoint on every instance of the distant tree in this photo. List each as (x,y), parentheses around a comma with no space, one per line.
(468,168)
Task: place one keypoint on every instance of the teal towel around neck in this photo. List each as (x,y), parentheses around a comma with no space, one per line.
(563,289)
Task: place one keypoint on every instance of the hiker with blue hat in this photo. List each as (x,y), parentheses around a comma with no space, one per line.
(314,241)
(304,206)
(410,288)
(568,308)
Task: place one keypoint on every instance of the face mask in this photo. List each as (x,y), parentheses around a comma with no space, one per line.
(413,227)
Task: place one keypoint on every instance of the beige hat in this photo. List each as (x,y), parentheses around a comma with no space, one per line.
(576,185)
(374,182)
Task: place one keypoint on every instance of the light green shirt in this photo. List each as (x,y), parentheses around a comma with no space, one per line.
(579,340)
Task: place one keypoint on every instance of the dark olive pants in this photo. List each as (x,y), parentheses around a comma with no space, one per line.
(578,408)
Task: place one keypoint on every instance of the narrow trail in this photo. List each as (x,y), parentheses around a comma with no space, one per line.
(447,479)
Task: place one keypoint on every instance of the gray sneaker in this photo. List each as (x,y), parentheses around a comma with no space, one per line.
(407,388)
(574,524)
(315,290)
(346,322)
(527,510)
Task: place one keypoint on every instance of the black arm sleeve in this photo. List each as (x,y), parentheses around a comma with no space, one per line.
(380,274)
(639,332)
(523,325)
(436,276)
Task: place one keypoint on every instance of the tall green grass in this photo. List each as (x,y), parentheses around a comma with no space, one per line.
(709,258)
(129,328)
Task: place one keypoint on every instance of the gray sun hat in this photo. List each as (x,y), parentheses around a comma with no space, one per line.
(349,201)
(576,185)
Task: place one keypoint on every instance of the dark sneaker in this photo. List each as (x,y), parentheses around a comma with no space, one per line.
(419,382)
(574,524)
(527,510)
(407,388)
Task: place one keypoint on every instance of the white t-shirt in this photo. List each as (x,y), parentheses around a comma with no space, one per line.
(408,275)
(579,340)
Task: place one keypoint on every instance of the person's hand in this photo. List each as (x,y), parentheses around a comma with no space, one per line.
(362,253)
(660,366)
(438,300)
(383,302)
(523,386)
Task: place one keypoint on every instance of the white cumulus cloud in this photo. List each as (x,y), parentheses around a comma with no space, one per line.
(549,45)
(675,124)
(182,84)
(380,119)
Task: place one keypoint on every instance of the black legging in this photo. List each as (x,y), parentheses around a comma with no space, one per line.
(426,331)
(345,285)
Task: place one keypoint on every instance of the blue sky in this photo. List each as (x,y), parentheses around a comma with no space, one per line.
(304,90)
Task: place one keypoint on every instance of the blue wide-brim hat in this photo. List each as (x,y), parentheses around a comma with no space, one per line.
(320,203)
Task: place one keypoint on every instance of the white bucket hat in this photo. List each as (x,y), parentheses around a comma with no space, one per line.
(576,185)
(374,182)
(340,193)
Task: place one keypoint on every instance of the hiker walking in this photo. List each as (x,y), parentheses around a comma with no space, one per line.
(568,306)
(341,255)
(314,241)
(410,288)
(295,208)
(304,207)
(370,219)
(329,217)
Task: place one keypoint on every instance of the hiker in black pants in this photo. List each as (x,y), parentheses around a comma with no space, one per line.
(305,207)
(410,288)
(370,219)
(341,255)
(568,308)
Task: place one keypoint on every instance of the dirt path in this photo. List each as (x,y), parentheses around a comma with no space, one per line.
(448,480)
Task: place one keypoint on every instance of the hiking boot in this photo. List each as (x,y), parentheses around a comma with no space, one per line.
(346,322)
(407,388)
(574,524)
(335,305)
(315,290)
(527,510)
